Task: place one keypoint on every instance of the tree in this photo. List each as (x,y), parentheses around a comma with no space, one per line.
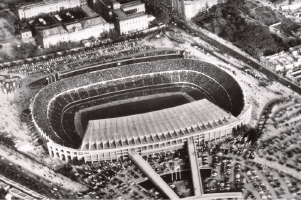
(217,11)
(257,40)
(216,27)
(230,32)
(114,35)
(289,25)
(206,6)
(106,34)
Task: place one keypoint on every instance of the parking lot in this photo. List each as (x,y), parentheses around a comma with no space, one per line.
(80,58)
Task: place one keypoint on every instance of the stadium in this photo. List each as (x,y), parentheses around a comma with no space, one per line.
(212,105)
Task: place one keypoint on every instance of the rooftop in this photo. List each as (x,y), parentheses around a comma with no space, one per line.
(28,5)
(52,31)
(130,4)
(164,124)
(25,30)
(108,2)
(72,27)
(123,16)
(88,11)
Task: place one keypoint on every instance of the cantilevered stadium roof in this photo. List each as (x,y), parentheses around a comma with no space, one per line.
(155,126)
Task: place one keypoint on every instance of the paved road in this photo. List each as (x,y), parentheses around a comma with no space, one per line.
(269,73)
(196,176)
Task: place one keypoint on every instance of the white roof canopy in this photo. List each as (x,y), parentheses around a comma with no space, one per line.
(199,115)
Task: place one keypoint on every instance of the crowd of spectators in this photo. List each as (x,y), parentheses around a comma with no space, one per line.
(216,83)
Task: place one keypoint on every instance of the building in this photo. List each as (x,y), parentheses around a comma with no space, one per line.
(278,30)
(105,8)
(165,129)
(158,126)
(189,8)
(74,32)
(128,17)
(192,7)
(30,10)
(52,36)
(150,132)
(126,24)
(26,33)
(89,12)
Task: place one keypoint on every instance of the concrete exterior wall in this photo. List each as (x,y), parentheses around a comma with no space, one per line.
(132,25)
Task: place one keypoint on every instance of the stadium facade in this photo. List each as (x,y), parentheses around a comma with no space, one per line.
(213,117)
